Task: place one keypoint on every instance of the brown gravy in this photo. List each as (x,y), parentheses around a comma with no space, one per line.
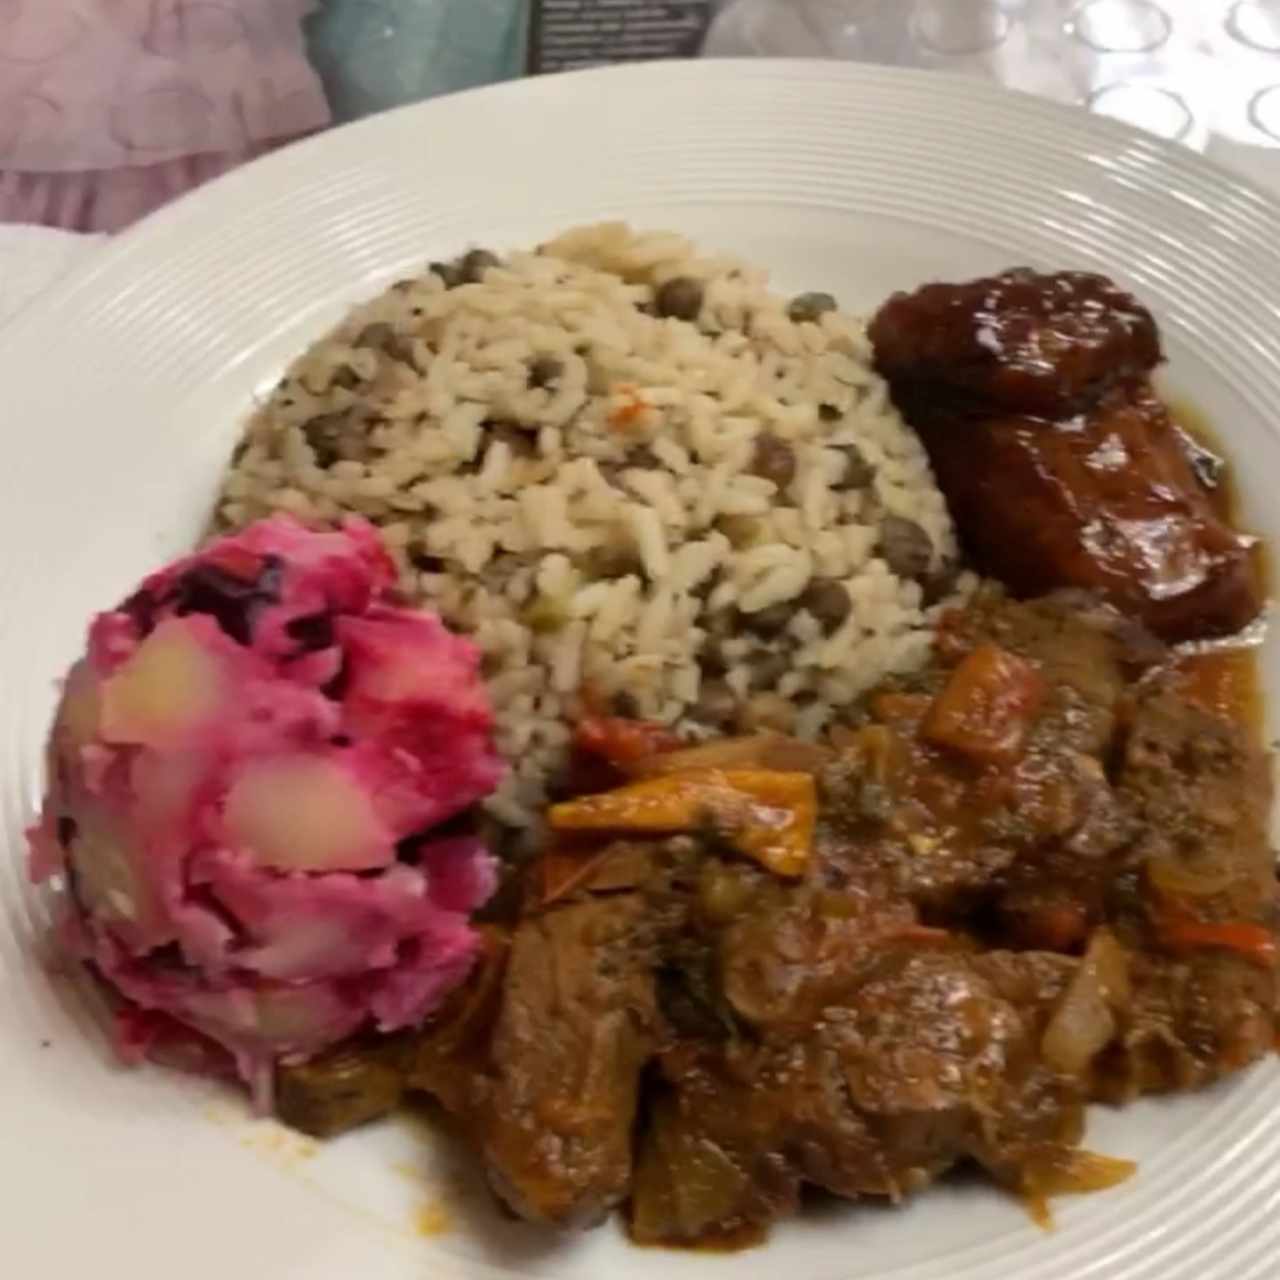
(1224,677)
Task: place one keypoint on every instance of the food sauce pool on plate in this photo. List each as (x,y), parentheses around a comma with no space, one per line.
(1225,682)
(1223,676)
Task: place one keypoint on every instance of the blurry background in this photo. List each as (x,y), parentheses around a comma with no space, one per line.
(373,54)
(108,108)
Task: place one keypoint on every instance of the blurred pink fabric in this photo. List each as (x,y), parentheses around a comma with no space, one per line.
(109,108)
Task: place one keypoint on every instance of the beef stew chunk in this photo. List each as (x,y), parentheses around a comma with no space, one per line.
(544,1072)
(1061,465)
(1023,895)
(916,1063)
(576,1027)
(342,1089)
(1204,914)
(950,826)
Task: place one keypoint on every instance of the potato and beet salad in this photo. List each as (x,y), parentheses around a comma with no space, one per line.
(251,774)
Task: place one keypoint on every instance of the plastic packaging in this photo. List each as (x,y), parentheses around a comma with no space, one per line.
(569,34)
(1205,73)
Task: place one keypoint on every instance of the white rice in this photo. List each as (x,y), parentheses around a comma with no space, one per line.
(602,537)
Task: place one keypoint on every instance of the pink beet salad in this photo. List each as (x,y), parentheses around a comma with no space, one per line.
(250,773)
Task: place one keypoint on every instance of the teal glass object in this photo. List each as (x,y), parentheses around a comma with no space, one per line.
(376,54)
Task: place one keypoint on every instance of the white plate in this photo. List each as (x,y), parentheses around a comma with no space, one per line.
(122,394)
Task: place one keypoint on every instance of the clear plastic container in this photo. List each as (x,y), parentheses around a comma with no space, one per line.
(1205,73)
(862,30)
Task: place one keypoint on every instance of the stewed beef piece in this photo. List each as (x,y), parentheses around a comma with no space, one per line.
(1061,465)
(1020,341)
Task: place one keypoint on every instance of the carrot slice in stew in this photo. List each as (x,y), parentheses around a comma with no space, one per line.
(1251,940)
(624,742)
(766,815)
(986,707)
